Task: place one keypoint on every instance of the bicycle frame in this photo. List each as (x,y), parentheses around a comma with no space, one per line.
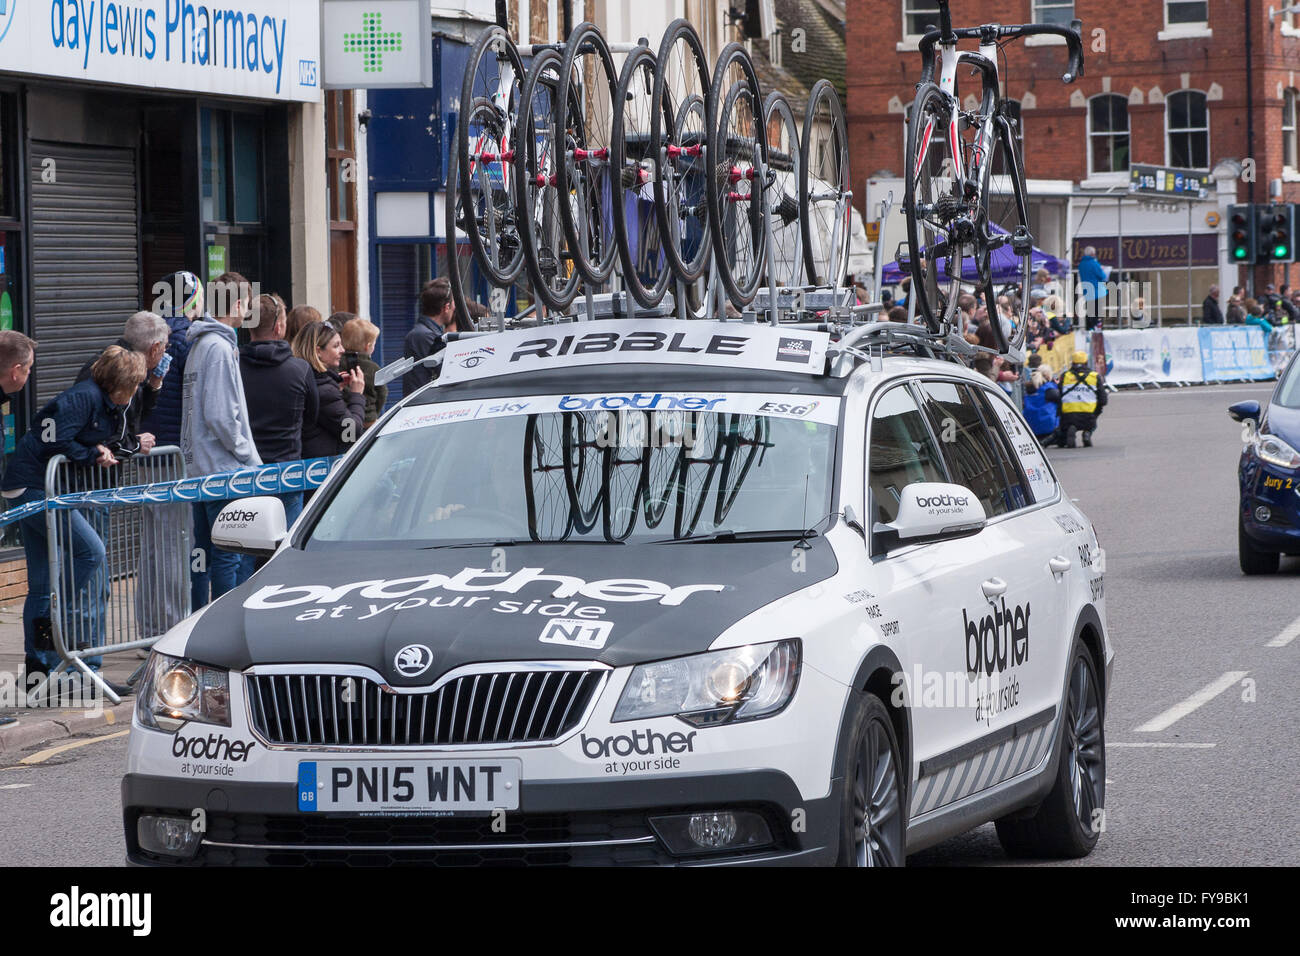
(981,148)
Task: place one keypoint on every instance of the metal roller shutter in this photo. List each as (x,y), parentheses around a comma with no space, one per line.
(399,287)
(85,251)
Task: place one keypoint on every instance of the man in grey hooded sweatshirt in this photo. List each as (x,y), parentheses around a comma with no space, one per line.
(216,434)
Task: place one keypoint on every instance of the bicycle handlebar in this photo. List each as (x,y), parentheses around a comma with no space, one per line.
(1072,35)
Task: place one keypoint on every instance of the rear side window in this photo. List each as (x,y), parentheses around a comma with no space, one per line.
(973,455)
(902,452)
(1018,494)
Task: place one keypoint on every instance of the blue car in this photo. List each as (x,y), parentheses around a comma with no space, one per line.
(1268,518)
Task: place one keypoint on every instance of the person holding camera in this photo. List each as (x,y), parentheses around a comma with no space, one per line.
(79,424)
(147,335)
(340,416)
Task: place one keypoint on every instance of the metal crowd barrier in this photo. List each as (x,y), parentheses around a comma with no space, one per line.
(126,589)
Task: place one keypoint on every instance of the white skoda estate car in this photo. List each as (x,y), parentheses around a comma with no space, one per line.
(646,592)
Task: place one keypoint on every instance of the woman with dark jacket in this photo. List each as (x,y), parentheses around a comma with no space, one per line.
(341,416)
(80,423)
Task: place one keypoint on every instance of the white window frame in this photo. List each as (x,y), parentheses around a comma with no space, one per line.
(1287,26)
(1188,129)
(1183,31)
(911,41)
(1121,175)
(1035,4)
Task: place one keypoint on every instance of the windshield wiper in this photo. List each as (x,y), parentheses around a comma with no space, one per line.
(725,536)
(511,542)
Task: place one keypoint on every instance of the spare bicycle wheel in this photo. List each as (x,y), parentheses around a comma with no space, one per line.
(678,139)
(455,222)
(1006,242)
(583,118)
(824,187)
(786,258)
(537,196)
(485,141)
(636,226)
(931,210)
(737,158)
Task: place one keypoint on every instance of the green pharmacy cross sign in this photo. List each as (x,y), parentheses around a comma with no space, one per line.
(372,43)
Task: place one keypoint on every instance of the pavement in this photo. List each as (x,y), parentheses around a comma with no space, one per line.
(41,725)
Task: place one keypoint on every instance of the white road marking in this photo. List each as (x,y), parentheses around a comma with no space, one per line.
(43,755)
(14,786)
(1289,634)
(1200,698)
(1158,744)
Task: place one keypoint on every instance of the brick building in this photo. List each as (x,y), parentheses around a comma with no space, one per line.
(1166,83)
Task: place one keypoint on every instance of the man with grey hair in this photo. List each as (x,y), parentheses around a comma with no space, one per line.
(17,353)
(146,333)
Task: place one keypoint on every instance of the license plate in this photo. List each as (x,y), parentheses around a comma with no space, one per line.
(415,786)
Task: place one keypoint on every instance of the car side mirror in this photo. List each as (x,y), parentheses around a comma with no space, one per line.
(932,511)
(254,526)
(1244,411)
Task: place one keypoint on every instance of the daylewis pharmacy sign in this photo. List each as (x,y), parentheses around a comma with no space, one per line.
(266,49)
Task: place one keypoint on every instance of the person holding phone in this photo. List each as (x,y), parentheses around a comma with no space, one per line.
(341,406)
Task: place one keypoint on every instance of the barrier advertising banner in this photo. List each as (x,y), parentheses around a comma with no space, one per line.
(1234,353)
(1165,355)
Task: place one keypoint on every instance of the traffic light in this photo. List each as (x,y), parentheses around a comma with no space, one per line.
(1241,234)
(1276,225)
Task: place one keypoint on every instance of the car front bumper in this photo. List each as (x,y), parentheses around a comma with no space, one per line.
(603,822)
(1278,490)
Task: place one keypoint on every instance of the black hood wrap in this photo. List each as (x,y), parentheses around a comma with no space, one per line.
(325,628)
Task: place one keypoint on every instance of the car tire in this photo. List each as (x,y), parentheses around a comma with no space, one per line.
(873,811)
(1062,826)
(1253,560)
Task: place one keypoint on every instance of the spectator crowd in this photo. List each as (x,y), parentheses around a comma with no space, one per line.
(236,380)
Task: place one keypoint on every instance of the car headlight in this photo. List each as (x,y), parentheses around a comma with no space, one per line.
(1275,451)
(739,683)
(175,690)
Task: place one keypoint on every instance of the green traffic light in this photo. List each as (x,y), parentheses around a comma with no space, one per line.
(1280,252)
(1239,253)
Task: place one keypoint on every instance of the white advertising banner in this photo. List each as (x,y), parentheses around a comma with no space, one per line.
(265,49)
(1144,356)
(624,341)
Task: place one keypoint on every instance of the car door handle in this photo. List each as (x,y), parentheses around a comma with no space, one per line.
(994,587)
(1059,565)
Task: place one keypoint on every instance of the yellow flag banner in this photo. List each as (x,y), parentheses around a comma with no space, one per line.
(1057,358)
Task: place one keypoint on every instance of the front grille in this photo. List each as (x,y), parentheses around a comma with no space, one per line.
(525,706)
(528,839)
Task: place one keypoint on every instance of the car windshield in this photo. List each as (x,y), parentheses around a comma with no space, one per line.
(1288,390)
(635,468)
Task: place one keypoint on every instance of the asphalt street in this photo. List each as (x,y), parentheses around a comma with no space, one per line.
(1187,785)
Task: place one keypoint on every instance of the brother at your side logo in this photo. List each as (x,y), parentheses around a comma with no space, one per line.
(75,909)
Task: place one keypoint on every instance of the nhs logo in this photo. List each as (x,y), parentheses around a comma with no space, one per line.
(306,70)
(576,632)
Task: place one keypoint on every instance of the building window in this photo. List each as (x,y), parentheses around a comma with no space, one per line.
(232,147)
(341,159)
(1187,125)
(1186,13)
(1054,11)
(1288,128)
(917,15)
(1107,134)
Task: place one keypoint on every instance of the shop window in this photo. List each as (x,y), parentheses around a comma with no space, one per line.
(233,205)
